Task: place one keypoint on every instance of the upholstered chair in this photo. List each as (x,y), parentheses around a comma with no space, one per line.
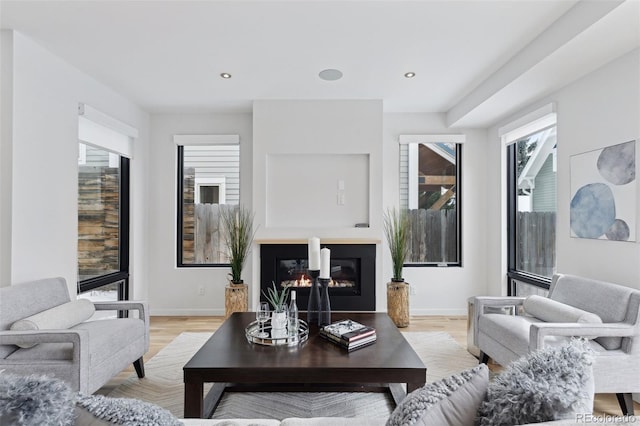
(43,332)
(606,314)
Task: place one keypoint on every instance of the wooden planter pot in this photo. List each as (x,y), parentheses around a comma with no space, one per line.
(236,299)
(398,303)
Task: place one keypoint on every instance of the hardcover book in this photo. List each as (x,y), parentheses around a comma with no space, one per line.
(347,331)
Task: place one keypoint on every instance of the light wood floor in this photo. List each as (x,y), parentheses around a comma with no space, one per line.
(164,329)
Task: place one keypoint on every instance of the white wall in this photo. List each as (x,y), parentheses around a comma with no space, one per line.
(172,290)
(6,133)
(46,93)
(276,130)
(443,290)
(312,131)
(308,128)
(598,110)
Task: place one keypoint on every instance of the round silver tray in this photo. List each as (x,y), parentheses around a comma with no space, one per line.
(252,330)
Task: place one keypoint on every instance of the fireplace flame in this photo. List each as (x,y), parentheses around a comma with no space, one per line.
(302,282)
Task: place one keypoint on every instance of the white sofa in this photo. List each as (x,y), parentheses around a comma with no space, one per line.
(343,421)
(314,421)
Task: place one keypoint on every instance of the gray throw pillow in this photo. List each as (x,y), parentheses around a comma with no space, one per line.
(35,400)
(126,411)
(549,384)
(452,401)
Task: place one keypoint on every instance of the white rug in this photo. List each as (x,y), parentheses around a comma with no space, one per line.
(163,383)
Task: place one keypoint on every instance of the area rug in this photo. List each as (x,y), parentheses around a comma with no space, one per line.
(163,383)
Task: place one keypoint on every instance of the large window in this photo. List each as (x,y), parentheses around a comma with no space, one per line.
(430,188)
(105,145)
(531,191)
(208,181)
(103,217)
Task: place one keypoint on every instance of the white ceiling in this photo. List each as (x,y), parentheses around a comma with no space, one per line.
(167,56)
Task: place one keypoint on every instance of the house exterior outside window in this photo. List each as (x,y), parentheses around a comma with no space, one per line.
(208,181)
(429,192)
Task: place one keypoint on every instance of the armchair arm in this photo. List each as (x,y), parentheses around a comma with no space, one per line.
(125,305)
(538,331)
(128,305)
(79,339)
(482,302)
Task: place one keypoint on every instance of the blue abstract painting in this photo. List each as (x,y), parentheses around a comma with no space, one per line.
(603,193)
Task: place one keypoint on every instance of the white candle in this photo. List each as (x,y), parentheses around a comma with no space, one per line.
(325,263)
(314,253)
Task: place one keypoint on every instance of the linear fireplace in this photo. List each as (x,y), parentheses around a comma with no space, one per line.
(353,273)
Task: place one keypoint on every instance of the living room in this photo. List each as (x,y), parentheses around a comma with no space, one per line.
(577,61)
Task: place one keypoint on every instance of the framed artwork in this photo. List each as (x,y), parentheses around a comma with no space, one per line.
(603,193)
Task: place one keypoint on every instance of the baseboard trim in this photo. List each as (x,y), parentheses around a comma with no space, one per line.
(186,312)
(439,312)
(221,312)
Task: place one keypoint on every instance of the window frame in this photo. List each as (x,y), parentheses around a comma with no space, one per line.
(459,142)
(122,275)
(513,274)
(189,140)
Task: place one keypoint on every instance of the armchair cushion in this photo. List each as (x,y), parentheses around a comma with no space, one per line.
(549,310)
(550,384)
(63,316)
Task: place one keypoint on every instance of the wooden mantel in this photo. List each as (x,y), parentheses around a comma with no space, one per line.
(322,241)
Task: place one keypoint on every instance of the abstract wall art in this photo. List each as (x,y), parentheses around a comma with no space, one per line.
(603,193)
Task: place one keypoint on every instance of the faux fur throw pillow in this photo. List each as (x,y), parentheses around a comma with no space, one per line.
(125,411)
(550,384)
(35,400)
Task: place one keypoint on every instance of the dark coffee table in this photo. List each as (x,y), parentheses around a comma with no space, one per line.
(233,364)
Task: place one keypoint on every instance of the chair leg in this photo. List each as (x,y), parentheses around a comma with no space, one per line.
(139,366)
(484,358)
(626,403)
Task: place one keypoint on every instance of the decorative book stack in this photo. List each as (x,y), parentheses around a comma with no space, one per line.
(348,334)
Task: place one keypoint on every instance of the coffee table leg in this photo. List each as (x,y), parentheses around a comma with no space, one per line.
(413,386)
(193,399)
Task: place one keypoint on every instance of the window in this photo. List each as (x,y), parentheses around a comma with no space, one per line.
(531,204)
(430,188)
(102,218)
(208,181)
(103,205)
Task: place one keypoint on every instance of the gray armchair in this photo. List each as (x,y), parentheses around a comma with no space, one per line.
(614,330)
(86,355)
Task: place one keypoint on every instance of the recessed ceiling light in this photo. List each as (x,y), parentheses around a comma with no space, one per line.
(409,74)
(330,74)
(225,75)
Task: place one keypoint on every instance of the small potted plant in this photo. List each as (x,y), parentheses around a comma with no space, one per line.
(278,301)
(238,232)
(396,230)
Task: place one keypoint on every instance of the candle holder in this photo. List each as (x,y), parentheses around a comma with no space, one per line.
(324,316)
(313,307)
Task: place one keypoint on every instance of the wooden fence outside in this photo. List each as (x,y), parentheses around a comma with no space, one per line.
(432,236)
(536,250)
(207,241)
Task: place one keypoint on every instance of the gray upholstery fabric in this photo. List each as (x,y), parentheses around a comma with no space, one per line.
(592,296)
(550,310)
(452,401)
(59,317)
(87,355)
(23,300)
(506,338)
